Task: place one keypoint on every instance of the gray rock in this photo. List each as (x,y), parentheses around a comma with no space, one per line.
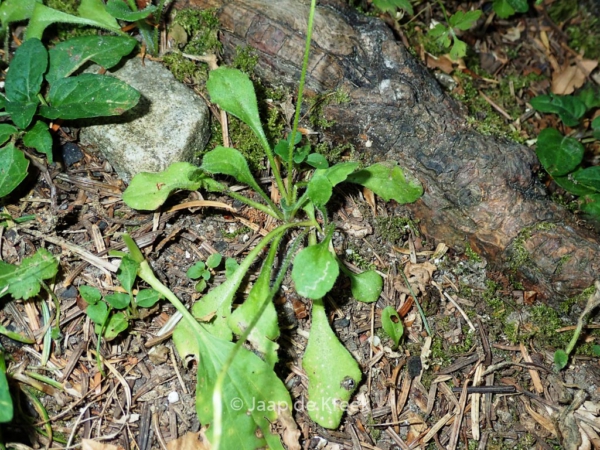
(169,124)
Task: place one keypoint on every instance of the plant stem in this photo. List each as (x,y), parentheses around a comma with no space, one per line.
(290,161)
(275,213)
(421,312)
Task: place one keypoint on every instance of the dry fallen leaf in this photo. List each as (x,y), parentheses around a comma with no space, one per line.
(190,441)
(572,77)
(89,444)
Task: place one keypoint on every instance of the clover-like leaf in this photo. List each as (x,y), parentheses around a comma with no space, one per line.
(196,271)
(588,177)
(388,181)
(116,324)
(118,300)
(147,298)
(147,191)
(333,374)
(315,269)
(214,260)
(392,324)
(590,205)
(561,359)
(98,312)
(90,294)
(23,281)
(558,154)
(568,107)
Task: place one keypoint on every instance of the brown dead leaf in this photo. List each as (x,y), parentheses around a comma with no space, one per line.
(418,276)
(190,441)
(443,63)
(572,77)
(89,444)
(290,434)
(416,427)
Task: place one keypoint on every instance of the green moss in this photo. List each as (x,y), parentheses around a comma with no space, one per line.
(317,103)
(582,27)
(238,232)
(471,255)
(184,69)
(464,345)
(519,256)
(353,255)
(67,6)
(201,27)
(394,229)
(580,299)
(245,59)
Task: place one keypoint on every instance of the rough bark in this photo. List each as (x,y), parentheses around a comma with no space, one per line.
(479,190)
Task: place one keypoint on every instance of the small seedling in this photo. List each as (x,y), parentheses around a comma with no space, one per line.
(202,272)
(392,324)
(446,35)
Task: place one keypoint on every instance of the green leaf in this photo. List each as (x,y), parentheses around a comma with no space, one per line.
(68,56)
(319,190)
(120,10)
(16,336)
(441,34)
(91,12)
(13,169)
(588,177)
(90,294)
(315,269)
(116,324)
(596,350)
(118,300)
(24,281)
(253,396)
(196,271)
(558,154)
(6,403)
(503,9)
(266,331)
(147,298)
(569,108)
(392,324)
(333,374)
(27,68)
(569,185)
(229,161)
(458,50)
(231,265)
(148,191)
(590,96)
(561,359)
(464,20)
(521,6)
(39,137)
(96,11)
(590,205)
(596,127)
(390,6)
(214,260)
(98,313)
(16,11)
(233,91)
(338,172)
(22,113)
(366,286)
(200,285)
(389,182)
(317,161)
(6,131)
(89,95)
(127,273)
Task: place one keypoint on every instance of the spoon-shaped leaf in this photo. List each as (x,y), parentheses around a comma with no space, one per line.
(147,191)
(266,331)
(366,286)
(392,324)
(233,91)
(389,182)
(333,374)
(315,270)
(253,396)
